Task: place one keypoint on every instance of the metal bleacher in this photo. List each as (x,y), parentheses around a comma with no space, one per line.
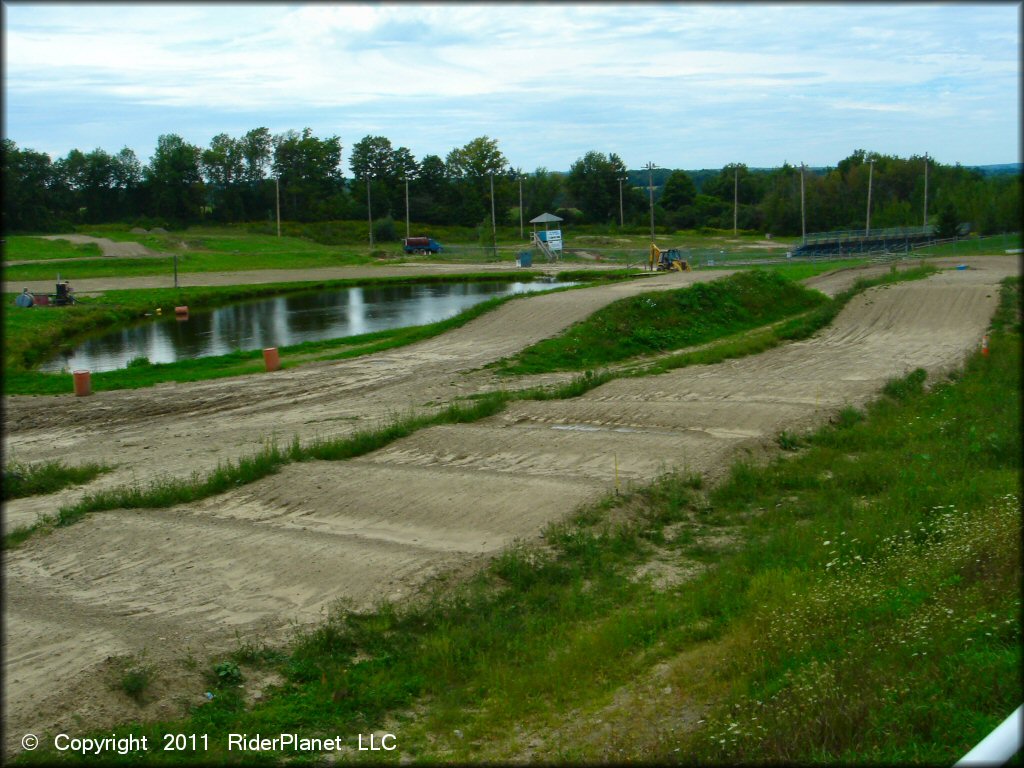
(858,242)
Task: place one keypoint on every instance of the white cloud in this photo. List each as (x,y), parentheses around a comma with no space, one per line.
(688,64)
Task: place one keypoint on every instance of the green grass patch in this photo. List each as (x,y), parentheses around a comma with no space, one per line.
(25,248)
(881,591)
(21,480)
(666,320)
(801,270)
(975,246)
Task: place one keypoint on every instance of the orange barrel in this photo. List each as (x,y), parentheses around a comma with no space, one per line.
(83,384)
(270,357)
(181,310)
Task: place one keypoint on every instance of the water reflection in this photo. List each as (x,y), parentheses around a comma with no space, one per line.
(282,321)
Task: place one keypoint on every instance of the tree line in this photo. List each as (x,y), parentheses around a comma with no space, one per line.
(246,178)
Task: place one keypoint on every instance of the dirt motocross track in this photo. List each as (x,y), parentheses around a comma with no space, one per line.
(280,551)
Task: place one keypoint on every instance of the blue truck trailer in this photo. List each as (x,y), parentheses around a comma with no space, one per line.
(422,245)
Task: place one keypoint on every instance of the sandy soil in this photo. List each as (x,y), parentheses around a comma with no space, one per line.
(281,551)
(107,246)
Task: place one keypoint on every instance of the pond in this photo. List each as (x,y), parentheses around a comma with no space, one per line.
(284,320)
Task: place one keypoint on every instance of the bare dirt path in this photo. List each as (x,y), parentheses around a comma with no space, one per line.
(94,285)
(109,248)
(283,549)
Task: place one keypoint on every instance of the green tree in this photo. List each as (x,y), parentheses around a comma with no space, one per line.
(374,158)
(257,192)
(257,149)
(679,191)
(471,168)
(542,191)
(224,169)
(948,224)
(173,180)
(476,160)
(780,207)
(734,180)
(28,186)
(127,180)
(224,161)
(430,192)
(309,170)
(593,185)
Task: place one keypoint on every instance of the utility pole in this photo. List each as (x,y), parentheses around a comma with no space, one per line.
(494,227)
(520,175)
(622,218)
(650,193)
(407,207)
(277,189)
(925,190)
(803,209)
(369,210)
(871,169)
(735,197)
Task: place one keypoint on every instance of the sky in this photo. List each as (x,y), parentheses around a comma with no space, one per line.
(680,85)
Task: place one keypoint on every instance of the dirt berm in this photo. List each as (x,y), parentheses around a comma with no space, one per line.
(280,551)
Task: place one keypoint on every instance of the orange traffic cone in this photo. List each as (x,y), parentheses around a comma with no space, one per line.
(984,345)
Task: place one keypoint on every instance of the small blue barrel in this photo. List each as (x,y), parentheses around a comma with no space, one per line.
(525,259)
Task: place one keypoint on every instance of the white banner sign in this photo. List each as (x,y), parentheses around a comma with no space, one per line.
(554,238)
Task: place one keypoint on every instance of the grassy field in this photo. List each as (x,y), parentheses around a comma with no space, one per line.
(326,244)
(855,600)
(974,245)
(201,253)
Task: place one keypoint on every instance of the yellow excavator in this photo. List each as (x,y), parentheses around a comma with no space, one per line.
(668,260)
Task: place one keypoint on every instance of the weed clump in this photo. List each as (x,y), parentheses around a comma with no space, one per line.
(133,676)
(906,387)
(21,480)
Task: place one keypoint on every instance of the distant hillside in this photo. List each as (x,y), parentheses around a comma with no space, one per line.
(998,170)
(639,178)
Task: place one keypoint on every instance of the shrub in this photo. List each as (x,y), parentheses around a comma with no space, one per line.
(384,230)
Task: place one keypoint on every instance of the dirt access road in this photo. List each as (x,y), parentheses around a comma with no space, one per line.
(279,551)
(408,269)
